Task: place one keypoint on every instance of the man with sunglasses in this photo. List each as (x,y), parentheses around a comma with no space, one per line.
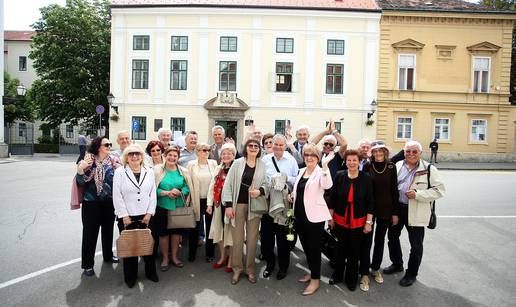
(417,190)
(329,137)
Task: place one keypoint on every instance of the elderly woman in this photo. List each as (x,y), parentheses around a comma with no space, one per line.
(134,198)
(202,171)
(173,188)
(267,143)
(95,174)
(246,179)
(220,231)
(164,136)
(386,207)
(351,205)
(154,152)
(311,211)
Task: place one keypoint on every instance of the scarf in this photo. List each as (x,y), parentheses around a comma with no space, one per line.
(99,172)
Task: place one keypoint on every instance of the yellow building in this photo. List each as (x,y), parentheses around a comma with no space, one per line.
(444,73)
(189,67)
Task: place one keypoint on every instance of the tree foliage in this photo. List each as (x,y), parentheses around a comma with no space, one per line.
(15,107)
(71,51)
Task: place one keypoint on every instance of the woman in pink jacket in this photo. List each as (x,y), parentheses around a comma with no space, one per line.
(311,212)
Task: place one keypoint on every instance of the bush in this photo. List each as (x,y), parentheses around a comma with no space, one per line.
(45,139)
(46,148)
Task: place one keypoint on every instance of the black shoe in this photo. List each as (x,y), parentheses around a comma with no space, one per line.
(391,269)
(88,272)
(261,257)
(352,287)
(209,259)
(114,259)
(281,275)
(407,281)
(191,259)
(268,272)
(152,277)
(334,280)
(130,283)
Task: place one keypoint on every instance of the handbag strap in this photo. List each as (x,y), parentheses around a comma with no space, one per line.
(428,181)
(275,165)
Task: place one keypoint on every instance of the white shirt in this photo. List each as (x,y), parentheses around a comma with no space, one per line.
(132,197)
(287,165)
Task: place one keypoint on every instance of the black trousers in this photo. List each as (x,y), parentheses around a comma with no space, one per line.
(82,153)
(365,251)
(271,234)
(193,235)
(97,214)
(131,264)
(416,236)
(348,253)
(433,155)
(310,235)
(382,225)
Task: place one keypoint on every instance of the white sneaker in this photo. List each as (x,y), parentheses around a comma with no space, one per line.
(364,283)
(377,276)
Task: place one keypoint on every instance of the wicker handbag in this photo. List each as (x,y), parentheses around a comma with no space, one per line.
(182,217)
(134,243)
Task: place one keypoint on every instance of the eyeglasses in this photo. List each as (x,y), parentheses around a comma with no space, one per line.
(156,150)
(414,151)
(267,143)
(205,150)
(311,155)
(253,146)
(374,143)
(134,154)
(329,144)
(107,145)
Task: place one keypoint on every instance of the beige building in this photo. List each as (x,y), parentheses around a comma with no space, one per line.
(444,73)
(189,67)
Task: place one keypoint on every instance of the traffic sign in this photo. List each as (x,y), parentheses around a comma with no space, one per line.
(100,109)
(136,125)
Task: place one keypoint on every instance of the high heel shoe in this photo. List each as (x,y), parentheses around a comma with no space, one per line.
(228,269)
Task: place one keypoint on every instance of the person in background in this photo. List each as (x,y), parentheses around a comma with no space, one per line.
(415,198)
(330,136)
(123,139)
(364,149)
(302,135)
(134,199)
(246,179)
(434,146)
(220,232)
(188,152)
(311,211)
(218,133)
(267,144)
(82,141)
(164,136)
(95,174)
(173,188)
(351,205)
(202,171)
(154,155)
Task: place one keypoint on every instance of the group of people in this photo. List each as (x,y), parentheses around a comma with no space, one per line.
(274,188)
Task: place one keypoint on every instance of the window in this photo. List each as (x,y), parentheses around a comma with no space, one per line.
(335,47)
(138,126)
(45,131)
(22,129)
(404,129)
(140,74)
(284,77)
(179,43)
(481,75)
(284,45)
(177,124)
(442,129)
(22,63)
(280,125)
(158,124)
(178,75)
(141,42)
(334,78)
(228,43)
(337,125)
(406,67)
(69,131)
(478,130)
(227,76)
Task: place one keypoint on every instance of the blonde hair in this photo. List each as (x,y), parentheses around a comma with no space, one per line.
(311,148)
(132,148)
(228,146)
(201,146)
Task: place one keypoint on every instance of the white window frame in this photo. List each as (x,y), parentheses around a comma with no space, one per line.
(440,129)
(480,79)
(413,75)
(473,140)
(404,124)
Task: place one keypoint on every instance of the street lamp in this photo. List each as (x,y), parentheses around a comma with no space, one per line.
(111,100)
(21,89)
(373,109)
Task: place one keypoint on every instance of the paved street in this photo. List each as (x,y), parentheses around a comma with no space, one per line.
(468,259)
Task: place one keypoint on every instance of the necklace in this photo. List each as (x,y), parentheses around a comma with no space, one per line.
(376,171)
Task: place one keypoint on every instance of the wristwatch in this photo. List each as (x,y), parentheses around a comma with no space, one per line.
(369,222)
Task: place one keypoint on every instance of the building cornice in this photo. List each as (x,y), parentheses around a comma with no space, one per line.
(446,18)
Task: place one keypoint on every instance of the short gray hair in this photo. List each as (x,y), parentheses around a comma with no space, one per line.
(163,130)
(413,143)
(122,132)
(303,127)
(279,137)
(362,141)
(190,132)
(330,137)
(218,127)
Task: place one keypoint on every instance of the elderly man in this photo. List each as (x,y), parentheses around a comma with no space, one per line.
(218,133)
(123,139)
(188,152)
(419,184)
(330,135)
(278,163)
(364,148)
(164,136)
(296,148)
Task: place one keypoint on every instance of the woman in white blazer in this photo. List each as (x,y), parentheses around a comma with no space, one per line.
(311,211)
(134,199)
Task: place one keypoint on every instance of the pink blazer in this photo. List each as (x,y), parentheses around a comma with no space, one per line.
(315,205)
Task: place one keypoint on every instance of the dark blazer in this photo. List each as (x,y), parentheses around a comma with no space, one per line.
(363,198)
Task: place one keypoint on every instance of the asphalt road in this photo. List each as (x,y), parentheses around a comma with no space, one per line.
(468,259)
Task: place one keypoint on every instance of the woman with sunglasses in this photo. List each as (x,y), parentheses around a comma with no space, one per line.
(311,211)
(134,198)
(220,232)
(154,152)
(201,170)
(95,174)
(246,179)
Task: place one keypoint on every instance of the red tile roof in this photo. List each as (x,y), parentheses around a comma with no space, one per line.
(435,5)
(279,4)
(18,35)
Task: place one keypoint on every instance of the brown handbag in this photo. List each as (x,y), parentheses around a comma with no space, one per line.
(183,217)
(134,243)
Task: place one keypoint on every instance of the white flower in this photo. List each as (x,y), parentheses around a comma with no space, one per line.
(290,212)
(290,237)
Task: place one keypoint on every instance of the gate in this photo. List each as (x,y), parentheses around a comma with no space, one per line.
(68,136)
(20,138)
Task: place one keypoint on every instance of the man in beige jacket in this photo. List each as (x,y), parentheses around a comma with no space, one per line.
(418,189)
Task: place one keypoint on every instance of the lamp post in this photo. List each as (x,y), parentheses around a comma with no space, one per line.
(21,90)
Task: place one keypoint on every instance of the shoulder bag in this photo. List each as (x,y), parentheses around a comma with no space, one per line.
(433,218)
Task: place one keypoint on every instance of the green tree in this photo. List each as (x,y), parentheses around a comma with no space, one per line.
(71,52)
(15,107)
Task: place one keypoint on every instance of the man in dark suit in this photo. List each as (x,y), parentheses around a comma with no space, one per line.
(218,133)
